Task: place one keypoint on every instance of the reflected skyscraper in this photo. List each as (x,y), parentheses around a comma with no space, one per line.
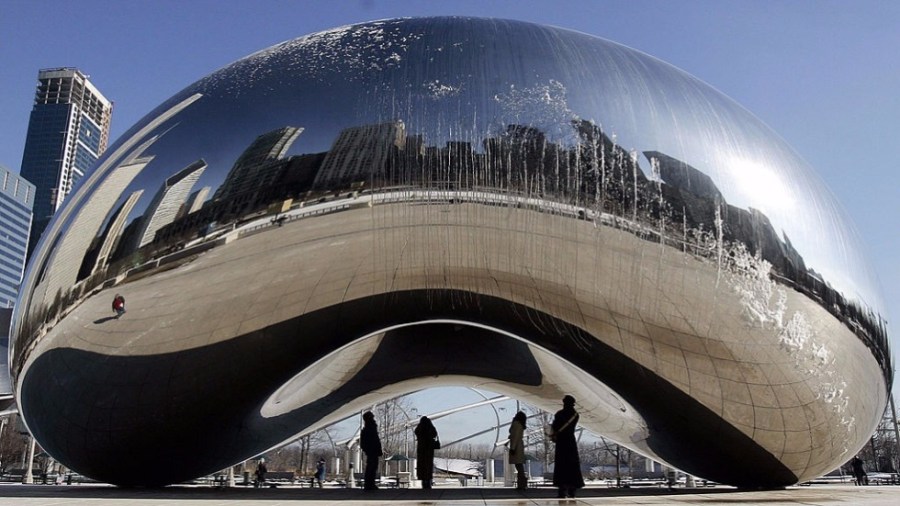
(194,202)
(114,230)
(168,200)
(256,166)
(67,131)
(359,152)
(59,277)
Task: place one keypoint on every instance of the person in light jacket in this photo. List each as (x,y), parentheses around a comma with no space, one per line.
(517,449)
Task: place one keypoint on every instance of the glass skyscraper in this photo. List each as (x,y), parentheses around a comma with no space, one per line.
(16,199)
(67,132)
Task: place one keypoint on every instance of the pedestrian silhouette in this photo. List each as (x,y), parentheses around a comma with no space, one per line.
(261,471)
(426,442)
(859,471)
(567,469)
(371,445)
(320,471)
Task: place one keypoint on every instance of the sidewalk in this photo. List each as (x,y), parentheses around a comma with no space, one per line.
(89,495)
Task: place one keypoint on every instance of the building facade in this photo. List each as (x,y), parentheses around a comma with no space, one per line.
(67,131)
(173,193)
(359,152)
(16,199)
(258,164)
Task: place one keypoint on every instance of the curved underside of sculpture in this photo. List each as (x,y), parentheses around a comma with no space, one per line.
(364,212)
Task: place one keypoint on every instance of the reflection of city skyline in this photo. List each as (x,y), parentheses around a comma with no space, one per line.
(680,202)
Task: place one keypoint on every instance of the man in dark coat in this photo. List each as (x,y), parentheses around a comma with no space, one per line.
(261,473)
(859,471)
(426,438)
(567,469)
(370,443)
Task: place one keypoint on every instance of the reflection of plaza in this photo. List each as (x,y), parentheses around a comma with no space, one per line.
(594,179)
(259,284)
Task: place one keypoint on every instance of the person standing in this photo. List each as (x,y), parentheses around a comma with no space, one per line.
(859,471)
(320,471)
(567,470)
(517,449)
(426,442)
(370,443)
(261,471)
(118,305)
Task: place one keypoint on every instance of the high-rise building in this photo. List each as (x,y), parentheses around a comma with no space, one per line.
(360,152)
(168,200)
(194,202)
(256,166)
(16,199)
(67,132)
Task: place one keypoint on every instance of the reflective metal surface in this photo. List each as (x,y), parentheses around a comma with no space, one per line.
(361,212)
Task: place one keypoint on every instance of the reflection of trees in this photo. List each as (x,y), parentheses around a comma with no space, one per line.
(881,454)
(13,444)
(392,419)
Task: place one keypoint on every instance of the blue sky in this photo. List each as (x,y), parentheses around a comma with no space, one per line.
(824,74)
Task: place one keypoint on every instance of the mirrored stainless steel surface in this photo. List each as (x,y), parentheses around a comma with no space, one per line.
(357,213)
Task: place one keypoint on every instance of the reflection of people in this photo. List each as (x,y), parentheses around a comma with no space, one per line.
(261,473)
(567,470)
(370,443)
(517,449)
(320,471)
(859,471)
(118,305)
(426,441)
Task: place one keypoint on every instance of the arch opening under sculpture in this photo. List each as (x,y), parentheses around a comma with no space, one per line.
(276,393)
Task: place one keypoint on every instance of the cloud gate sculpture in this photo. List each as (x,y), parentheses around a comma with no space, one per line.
(366,211)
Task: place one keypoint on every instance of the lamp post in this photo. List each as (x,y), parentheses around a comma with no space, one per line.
(28,478)
(2,426)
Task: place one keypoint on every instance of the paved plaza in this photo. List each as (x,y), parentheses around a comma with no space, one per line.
(91,495)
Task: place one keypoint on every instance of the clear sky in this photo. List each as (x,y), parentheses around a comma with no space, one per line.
(824,74)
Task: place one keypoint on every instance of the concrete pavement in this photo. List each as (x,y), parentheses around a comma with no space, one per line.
(93,495)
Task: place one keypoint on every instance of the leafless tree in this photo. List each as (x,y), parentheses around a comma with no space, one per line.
(301,455)
(618,454)
(13,444)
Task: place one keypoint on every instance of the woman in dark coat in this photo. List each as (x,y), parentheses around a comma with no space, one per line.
(567,470)
(426,437)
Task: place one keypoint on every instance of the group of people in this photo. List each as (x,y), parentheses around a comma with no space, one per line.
(426,443)
(567,477)
(262,470)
